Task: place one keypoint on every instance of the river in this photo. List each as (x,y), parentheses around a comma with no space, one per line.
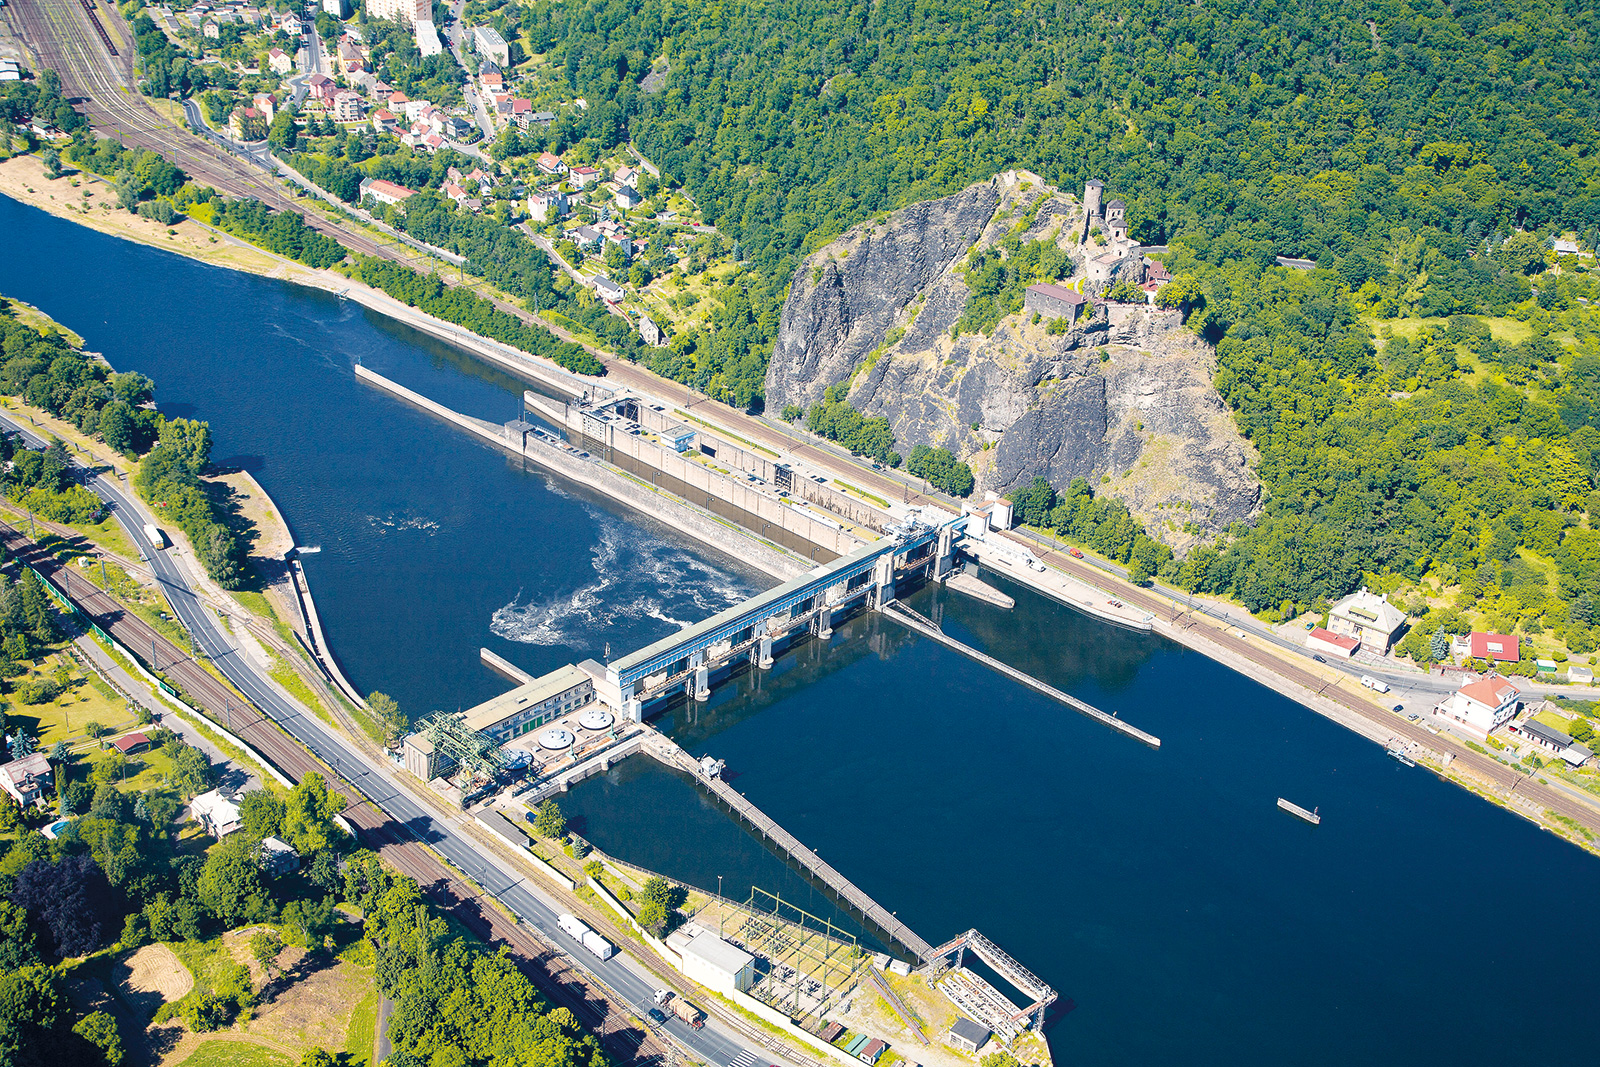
(1160,890)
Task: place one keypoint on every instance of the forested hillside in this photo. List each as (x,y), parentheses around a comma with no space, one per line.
(1422,155)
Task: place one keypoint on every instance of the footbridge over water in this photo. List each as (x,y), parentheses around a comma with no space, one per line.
(865,578)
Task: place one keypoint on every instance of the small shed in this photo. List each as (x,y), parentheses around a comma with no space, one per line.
(831,1032)
(872,1050)
(718,965)
(967,1035)
(1580,676)
(128,744)
(679,436)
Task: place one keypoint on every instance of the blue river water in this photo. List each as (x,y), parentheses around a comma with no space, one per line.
(1161,891)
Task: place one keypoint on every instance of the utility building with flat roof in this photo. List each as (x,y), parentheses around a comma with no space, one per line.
(535,703)
(716,964)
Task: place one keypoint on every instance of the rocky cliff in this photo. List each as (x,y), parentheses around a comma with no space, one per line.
(1123,398)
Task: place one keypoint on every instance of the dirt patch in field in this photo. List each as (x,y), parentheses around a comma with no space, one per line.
(152,976)
(306,1001)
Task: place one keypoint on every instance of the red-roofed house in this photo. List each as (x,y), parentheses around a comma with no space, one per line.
(1341,645)
(1503,648)
(383,121)
(322,87)
(1481,706)
(280,61)
(583,177)
(550,164)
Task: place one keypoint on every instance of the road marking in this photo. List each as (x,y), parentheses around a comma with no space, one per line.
(744,1059)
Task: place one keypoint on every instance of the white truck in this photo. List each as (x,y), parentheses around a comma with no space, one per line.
(598,945)
(157,541)
(571,925)
(1374,684)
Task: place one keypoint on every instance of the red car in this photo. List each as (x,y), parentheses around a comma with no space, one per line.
(1075,552)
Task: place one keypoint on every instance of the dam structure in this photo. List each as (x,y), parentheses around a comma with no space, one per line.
(689,660)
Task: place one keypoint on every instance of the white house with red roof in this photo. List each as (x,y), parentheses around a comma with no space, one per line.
(280,61)
(551,164)
(1341,645)
(385,192)
(583,177)
(384,121)
(1481,706)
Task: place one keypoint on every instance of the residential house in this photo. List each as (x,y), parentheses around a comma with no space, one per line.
(452,191)
(321,87)
(1481,706)
(415,109)
(247,124)
(351,59)
(267,104)
(550,164)
(217,813)
(1052,301)
(621,240)
(628,197)
(541,118)
(1369,617)
(397,102)
(522,112)
(26,778)
(278,857)
(651,332)
(583,177)
(280,61)
(348,106)
(385,192)
(492,81)
(586,237)
(486,41)
(608,290)
(384,121)
(1502,648)
(542,207)
(339,9)
(292,25)
(625,175)
(210,31)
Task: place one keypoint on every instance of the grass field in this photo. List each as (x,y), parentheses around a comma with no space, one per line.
(363,1031)
(86,699)
(231,1052)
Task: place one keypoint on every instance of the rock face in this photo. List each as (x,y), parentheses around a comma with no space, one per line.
(1123,398)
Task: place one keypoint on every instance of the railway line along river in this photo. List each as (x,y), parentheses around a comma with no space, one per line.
(1161,890)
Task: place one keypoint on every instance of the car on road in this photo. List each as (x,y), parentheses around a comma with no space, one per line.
(1399,707)
(1076,553)
(1318,658)
(657,1017)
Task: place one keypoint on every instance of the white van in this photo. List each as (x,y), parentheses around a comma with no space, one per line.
(1373,684)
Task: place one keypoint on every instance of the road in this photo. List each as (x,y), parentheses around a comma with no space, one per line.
(400,820)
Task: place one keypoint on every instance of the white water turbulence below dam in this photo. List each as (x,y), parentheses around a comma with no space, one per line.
(637,576)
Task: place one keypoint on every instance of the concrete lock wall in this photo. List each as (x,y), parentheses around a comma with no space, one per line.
(702,478)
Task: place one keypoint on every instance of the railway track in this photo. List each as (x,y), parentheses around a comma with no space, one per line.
(549,970)
(97,76)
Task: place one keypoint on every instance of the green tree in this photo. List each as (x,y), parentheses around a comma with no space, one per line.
(387,711)
(100,1030)
(265,946)
(549,820)
(260,814)
(52,163)
(231,884)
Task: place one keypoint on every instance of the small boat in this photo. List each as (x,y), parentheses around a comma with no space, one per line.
(1294,809)
(1399,756)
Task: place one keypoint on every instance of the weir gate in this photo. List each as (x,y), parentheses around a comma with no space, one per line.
(866,578)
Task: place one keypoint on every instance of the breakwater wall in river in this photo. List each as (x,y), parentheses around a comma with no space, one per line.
(678,514)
